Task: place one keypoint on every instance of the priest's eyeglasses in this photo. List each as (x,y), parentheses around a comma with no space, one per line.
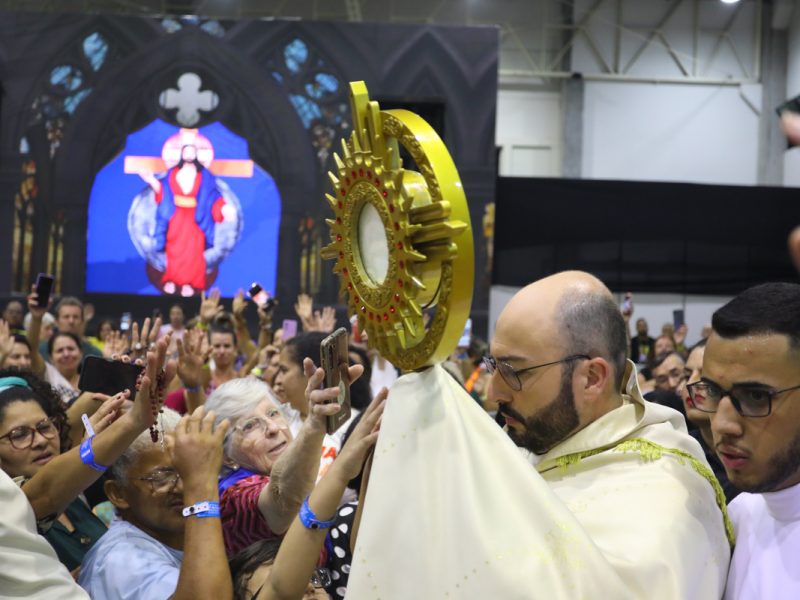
(748,400)
(21,438)
(511,375)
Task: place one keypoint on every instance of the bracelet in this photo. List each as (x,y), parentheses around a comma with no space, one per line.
(309,519)
(87,455)
(195,389)
(202,510)
(201,325)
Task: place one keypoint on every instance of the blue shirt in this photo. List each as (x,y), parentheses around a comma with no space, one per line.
(128,564)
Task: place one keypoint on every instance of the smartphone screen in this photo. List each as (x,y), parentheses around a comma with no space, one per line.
(334,360)
(108,376)
(258,294)
(44,285)
(125,322)
(677,318)
(289,328)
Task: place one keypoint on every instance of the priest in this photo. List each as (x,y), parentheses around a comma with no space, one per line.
(618,503)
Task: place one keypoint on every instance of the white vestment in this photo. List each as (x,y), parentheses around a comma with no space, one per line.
(766,562)
(453,510)
(29,567)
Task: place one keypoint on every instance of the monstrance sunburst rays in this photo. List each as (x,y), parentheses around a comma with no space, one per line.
(401,239)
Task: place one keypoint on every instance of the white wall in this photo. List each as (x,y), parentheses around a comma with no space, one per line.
(791,159)
(529,130)
(661,132)
(655,308)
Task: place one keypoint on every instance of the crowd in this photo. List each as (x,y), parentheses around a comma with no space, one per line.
(215,477)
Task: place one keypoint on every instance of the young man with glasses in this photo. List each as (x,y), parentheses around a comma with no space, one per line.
(167,542)
(637,483)
(751,387)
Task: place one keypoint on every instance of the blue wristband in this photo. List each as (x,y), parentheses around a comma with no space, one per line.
(87,455)
(202,510)
(309,519)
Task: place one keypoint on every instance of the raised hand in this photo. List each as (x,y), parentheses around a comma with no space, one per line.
(6,341)
(157,374)
(117,344)
(37,312)
(350,460)
(191,358)
(325,322)
(108,412)
(209,306)
(141,343)
(195,448)
(304,307)
(322,402)
(680,334)
(239,305)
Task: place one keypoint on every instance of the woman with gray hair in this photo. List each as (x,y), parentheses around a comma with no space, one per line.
(267,472)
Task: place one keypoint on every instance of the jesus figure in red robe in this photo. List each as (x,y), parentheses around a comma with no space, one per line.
(189,206)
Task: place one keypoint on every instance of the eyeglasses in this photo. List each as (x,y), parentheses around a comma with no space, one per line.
(161,482)
(321,578)
(749,401)
(21,438)
(511,376)
(259,424)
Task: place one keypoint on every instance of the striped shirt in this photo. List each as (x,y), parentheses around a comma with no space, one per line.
(242,521)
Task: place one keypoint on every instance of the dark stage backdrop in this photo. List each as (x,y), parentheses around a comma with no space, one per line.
(74,87)
(644,236)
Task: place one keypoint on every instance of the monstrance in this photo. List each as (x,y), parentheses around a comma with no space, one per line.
(401,238)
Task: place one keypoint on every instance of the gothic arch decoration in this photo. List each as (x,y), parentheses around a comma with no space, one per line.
(251,105)
(319,96)
(67,81)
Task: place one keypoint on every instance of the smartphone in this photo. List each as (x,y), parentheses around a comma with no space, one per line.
(108,376)
(334,360)
(44,285)
(289,328)
(627,304)
(677,318)
(260,296)
(125,321)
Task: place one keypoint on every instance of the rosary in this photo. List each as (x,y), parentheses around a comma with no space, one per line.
(156,404)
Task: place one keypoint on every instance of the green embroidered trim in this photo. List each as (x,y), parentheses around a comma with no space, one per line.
(651,451)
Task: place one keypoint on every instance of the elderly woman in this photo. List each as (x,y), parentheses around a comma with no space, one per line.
(268,472)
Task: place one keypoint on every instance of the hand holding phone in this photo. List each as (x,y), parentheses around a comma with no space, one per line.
(334,360)
(260,296)
(44,286)
(108,377)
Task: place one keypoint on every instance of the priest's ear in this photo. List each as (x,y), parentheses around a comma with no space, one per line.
(598,378)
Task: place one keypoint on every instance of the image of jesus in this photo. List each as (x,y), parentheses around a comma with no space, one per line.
(189,206)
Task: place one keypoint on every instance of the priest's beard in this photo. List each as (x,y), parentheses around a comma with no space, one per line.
(551,424)
(782,467)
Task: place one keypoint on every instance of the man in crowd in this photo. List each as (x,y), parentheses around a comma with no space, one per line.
(14,315)
(642,344)
(638,484)
(751,384)
(154,551)
(669,372)
(69,318)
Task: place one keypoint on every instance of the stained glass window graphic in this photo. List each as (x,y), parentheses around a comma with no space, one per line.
(323,85)
(95,48)
(316,93)
(295,54)
(71,103)
(66,77)
(306,109)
